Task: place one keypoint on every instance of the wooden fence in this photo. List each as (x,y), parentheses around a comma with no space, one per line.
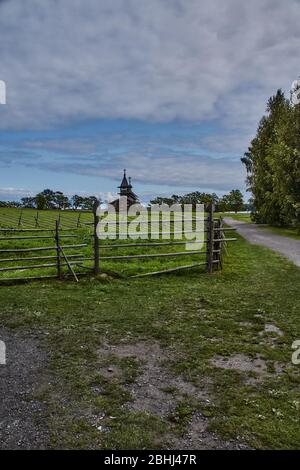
(64,263)
(212,253)
(29,219)
(54,262)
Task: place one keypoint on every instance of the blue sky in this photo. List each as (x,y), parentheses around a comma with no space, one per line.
(171,90)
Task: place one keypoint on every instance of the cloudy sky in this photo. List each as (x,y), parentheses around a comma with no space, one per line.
(172,90)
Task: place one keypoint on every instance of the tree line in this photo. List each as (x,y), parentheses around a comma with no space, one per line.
(233,201)
(48,199)
(273,164)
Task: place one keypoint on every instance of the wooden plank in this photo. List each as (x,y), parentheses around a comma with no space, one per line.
(46,248)
(210,238)
(168,233)
(224,240)
(160,221)
(96,239)
(58,263)
(129,245)
(221,244)
(69,264)
(29,278)
(156,255)
(35,237)
(14,230)
(217,244)
(33,258)
(171,270)
(38,266)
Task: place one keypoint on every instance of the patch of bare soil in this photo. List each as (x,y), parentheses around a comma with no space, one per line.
(270,328)
(157,391)
(240,362)
(198,437)
(22,418)
(270,335)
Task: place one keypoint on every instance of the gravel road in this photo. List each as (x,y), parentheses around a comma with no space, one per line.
(287,246)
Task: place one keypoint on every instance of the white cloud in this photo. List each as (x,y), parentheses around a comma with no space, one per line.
(9,194)
(187,171)
(67,61)
(14,193)
(189,59)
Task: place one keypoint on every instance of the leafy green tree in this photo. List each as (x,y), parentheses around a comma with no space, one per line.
(235,201)
(76,201)
(28,202)
(88,202)
(165,200)
(48,196)
(60,200)
(272,163)
(10,204)
(223,204)
(193,198)
(40,201)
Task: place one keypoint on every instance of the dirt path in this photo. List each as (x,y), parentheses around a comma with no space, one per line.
(288,247)
(22,417)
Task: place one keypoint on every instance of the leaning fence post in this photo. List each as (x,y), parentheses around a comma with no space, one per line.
(58,264)
(96,239)
(210,239)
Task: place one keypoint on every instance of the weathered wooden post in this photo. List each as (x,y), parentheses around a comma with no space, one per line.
(37,220)
(20,219)
(218,243)
(210,238)
(58,264)
(96,239)
(78,220)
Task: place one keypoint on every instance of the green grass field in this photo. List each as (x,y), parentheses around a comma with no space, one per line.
(76,229)
(194,316)
(291,232)
(242,217)
(31,218)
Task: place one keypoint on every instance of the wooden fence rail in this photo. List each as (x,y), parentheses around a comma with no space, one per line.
(39,248)
(34,258)
(35,237)
(17,230)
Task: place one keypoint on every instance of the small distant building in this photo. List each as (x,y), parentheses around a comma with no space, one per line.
(126,190)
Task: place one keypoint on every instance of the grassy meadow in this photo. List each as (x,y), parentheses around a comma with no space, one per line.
(291,232)
(77,229)
(197,319)
(239,216)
